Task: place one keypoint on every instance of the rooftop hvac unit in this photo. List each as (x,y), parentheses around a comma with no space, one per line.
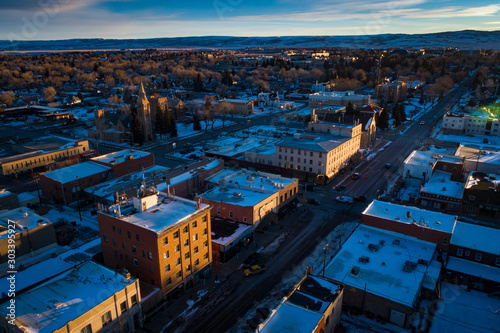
(396,242)
(373,247)
(423,262)
(364,259)
(237,194)
(355,270)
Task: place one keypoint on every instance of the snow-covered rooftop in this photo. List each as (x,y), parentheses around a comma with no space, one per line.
(383,274)
(440,184)
(24,219)
(73,172)
(474,268)
(476,237)
(237,196)
(317,142)
(421,158)
(240,230)
(292,318)
(168,211)
(66,297)
(421,217)
(482,181)
(246,179)
(121,156)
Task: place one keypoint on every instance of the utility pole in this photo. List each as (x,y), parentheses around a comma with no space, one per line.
(79,195)
(324,259)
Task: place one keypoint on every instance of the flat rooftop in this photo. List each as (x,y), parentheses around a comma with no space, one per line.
(440,184)
(289,317)
(246,179)
(121,156)
(476,237)
(24,219)
(482,181)
(225,232)
(236,196)
(315,142)
(421,158)
(383,274)
(66,297)
(73,172)
(421,217)
(168,212)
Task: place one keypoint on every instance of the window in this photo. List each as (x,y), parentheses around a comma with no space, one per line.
(136,262)
(178,262)
(472,197)
(114,228)
(195,224)
(311,154)
(165,241)
(105,238)
(179,274)
(169,281)
(86,329)
(197,262)
(195,237)
(150,255)
(206,232)
(230,214)
(186,242)
(188,268)
(204,219)
(479,256)
(195,250)
(144,253)
(176,234)
(137,237)
(460,252)
(151,268)
(205,256)
(177,248)
(114,241)
(166,255)
(124,245)
(218,210)
(120,231)
(133,300)
(167,268)
(244,219)
(186,256)
(123,307)
(497,261)
(129,235)
(134,250)
(185,230)
(467,253)
(205,244)
(445,241)
(106,318)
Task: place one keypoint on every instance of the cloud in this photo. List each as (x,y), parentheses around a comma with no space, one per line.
(453,11)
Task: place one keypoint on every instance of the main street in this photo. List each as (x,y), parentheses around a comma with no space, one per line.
(309,227)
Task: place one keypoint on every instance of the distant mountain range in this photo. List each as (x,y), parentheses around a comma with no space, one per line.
(466,39)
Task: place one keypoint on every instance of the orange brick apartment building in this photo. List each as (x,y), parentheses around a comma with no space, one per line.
(163,240)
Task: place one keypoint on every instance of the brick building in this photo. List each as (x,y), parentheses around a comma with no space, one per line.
(474,257)
(411,221)
(34,234)
(440,192)
(482,194)
(65,185)
(163,240)
(126,161)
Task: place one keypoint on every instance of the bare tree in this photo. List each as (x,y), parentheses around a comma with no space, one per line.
(49,94)
(7,98)
(223,109)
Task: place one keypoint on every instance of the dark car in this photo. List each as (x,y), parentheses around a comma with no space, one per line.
(360,198)
(340,188)
(355,175)
(387,166)
(314,202)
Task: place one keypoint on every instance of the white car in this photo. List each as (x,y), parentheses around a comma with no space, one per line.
(344,199)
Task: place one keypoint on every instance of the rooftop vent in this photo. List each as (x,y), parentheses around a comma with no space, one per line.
(364,259)
(355,270)
(237,194)
(396,242)
(373,247)
(408,214)
(423,262)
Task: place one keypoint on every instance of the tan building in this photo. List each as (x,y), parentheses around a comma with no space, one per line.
(242,107)
(337,98)
(40,159)
(88,298)
(161,239)
(391,92)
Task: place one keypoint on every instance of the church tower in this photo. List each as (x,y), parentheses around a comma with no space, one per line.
(144,114)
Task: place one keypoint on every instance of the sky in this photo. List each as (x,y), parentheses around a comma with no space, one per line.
(123,19)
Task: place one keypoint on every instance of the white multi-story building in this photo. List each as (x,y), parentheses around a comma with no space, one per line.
(324,150)
(336,98)
(474,122)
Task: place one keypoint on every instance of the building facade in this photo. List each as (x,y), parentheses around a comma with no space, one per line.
(165,243)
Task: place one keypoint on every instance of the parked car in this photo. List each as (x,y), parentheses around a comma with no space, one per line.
(387,166)
(314,202)
(340,188)
(355,175)
(360,198)
(422,123)
(344,199)
(255,269)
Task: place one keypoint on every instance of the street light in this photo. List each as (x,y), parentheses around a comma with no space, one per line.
(324,259)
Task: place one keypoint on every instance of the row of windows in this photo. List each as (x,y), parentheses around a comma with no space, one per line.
(106,317)
(49,159)
(478,256)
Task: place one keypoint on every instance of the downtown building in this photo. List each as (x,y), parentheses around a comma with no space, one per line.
(161,239)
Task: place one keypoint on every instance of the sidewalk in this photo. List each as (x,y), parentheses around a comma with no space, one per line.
(218,273)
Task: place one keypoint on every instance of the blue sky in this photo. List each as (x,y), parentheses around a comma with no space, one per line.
(63,19)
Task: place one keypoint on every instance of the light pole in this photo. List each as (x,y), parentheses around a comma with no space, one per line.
(324,259)
(37,178)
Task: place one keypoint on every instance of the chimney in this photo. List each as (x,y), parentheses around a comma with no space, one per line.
(408,214)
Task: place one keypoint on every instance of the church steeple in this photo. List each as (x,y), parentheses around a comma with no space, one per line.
(144,114)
